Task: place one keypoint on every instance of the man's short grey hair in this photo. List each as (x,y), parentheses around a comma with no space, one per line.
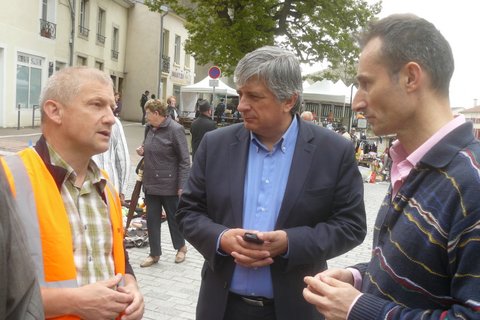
(66,83)
(279,69)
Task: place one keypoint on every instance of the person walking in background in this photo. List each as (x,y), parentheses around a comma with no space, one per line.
(116,160)
(201,125)
(118,103)
(295,187)
(20,296)
(172,109)
(166,168)
(71,212)
(219,110)
(144,100)
(425,260)
(343,132)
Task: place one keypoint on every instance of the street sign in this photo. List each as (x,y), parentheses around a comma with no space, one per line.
(213,83)
(214,72)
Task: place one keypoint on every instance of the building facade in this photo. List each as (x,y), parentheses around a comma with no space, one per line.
(38,37)
(143,58)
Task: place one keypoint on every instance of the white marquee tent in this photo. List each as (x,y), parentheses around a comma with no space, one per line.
(190,93)
(326,91)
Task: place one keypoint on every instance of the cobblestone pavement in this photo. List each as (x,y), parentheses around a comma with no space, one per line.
(170,290)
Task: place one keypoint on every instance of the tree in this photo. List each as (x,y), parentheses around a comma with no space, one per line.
(223,31)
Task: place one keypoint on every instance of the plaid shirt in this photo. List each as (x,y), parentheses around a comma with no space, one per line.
(89,222)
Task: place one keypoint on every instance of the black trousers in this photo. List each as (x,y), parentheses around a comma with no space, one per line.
(237,309)
(154,220)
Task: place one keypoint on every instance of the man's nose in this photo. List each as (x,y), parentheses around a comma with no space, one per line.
(109,116)
(242,105)
(358,103)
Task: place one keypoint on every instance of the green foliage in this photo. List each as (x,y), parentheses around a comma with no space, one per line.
(223,31)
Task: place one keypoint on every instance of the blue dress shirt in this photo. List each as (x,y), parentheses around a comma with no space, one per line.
(265,183)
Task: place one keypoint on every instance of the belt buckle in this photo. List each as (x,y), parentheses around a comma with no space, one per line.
(258,303)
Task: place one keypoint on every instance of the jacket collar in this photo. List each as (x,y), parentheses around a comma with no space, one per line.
(58,173)
(446,149)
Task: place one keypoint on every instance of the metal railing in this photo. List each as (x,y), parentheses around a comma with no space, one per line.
(48,29)
(165,64)
(101,38)
(83,31)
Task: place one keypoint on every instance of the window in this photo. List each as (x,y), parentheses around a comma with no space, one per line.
(59,65)
(83,27)
(166,39)
(178,47)
(99,65)
(81,61)
(187,60)
(48,28)
(101,26)
(115,43)
(29,80)
(44,9)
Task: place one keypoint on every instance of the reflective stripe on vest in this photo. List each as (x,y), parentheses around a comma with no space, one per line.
(28,214)
(50,237)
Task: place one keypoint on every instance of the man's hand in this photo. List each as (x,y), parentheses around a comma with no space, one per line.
(135,309)
(330,296)
(97,301)
(339,274)
(276,242)
(101,300)
(122,198)
(246,254)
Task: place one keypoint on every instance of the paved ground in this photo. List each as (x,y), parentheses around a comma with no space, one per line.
(171,289)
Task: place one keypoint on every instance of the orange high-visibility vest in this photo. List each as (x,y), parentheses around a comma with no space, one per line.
(46,221)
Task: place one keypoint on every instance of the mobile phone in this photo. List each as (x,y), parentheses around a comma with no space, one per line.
(252,237)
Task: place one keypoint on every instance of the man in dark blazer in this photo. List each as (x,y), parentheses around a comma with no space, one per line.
(202,124)
(292,184)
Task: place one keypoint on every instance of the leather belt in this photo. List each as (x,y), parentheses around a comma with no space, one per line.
(253,300)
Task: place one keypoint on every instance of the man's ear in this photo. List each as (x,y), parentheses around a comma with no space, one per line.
(290,102)
(53,110)
(413,76)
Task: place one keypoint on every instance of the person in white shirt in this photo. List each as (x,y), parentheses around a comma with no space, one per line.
(116,160)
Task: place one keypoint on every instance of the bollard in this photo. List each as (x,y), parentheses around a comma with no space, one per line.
(35,107)
(18,117)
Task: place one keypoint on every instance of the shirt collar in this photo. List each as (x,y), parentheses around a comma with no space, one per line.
(94,173)
(287,140)
(418,154)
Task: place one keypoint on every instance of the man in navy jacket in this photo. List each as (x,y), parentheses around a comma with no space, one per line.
(293,184)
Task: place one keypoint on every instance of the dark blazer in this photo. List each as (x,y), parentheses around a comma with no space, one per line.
(322,212)
(199,127)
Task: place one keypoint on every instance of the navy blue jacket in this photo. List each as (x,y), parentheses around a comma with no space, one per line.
(322,212)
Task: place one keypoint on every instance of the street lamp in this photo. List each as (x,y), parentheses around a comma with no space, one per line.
(164,9)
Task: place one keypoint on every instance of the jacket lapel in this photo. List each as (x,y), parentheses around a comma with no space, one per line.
(237,160)
(301,163)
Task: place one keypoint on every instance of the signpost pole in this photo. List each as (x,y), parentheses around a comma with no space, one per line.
(213,103)
(214,73)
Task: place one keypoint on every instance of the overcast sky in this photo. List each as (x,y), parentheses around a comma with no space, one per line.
(458,21)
